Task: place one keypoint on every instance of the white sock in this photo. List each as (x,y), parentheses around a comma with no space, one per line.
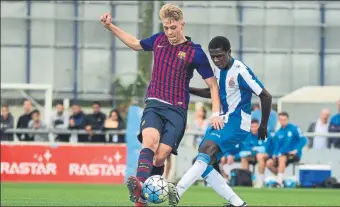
(191,176)
(280,178)
(260,178)
(217,182)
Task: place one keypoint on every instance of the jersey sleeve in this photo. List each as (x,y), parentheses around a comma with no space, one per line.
(250,81)
(202,64)
(147,43)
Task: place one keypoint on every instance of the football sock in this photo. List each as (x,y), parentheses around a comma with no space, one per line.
(157,170)
(218,183)
(144,164)
(193,173)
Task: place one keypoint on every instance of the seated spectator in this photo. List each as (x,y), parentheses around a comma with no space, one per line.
(272,121)
(320,126)
(77,122)
(7,122)
(115,122)
(255,151)
(24,119)
(334,127)
(95,121)
(36,123)
(60,121)
(228,159)
(288,144)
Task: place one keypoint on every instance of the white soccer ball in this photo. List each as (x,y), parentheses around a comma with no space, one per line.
(155,189)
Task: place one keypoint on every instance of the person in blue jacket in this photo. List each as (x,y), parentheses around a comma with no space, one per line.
(288,144)
(255,151)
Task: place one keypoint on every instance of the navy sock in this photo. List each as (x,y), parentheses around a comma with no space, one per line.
(145,164)
(157,170)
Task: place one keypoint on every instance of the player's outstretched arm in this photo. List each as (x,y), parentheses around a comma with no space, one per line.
(201,92)
(129,40)
(266,106)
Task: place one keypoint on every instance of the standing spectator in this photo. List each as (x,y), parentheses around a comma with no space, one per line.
(36,123)
(334,126)
(115,122)
(320,126)
(257,114)
(95,121)
(7,122)
(60,121)
(24,119)
(77,122)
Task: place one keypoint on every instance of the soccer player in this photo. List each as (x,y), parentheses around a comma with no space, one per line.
(164,118)
(289,142)
(237,83)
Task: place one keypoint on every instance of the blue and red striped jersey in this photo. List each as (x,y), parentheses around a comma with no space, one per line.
(173,67)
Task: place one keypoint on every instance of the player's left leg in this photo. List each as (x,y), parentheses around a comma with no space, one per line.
(209,153)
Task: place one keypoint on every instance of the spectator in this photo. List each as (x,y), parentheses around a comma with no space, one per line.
(320,126)
(77,122)
(24,119)
(95,121)
(36,123)
(7,122)
(115,122)
(334,126)
(60,121)
(255,151)
(257,114)
(288,144)
(200,124)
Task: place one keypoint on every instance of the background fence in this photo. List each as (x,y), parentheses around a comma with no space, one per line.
(288,44)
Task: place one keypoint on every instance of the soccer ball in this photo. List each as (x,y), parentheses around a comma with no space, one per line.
(155,189)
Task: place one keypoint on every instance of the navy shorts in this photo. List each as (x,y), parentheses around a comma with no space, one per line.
(169,120)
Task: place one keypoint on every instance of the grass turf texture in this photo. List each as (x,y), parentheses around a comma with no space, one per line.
(34,194)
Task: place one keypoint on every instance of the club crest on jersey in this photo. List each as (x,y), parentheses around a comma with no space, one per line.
(181,55)
(231,82)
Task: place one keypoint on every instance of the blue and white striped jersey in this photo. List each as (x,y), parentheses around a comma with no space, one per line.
(236,86)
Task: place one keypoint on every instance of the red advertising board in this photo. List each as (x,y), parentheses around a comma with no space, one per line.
(63,163)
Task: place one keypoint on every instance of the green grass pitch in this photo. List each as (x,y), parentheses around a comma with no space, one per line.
(34,194)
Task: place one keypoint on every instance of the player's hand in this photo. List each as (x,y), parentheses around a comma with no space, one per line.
(262,133)
(217,122)
(106,20)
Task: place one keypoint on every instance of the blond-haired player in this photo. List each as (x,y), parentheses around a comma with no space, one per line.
(164,118)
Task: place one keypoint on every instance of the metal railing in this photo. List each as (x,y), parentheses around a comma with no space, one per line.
(123,132)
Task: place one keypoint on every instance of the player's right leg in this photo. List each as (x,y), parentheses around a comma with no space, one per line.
(151,127)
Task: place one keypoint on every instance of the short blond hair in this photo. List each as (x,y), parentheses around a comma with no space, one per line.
(172,12)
